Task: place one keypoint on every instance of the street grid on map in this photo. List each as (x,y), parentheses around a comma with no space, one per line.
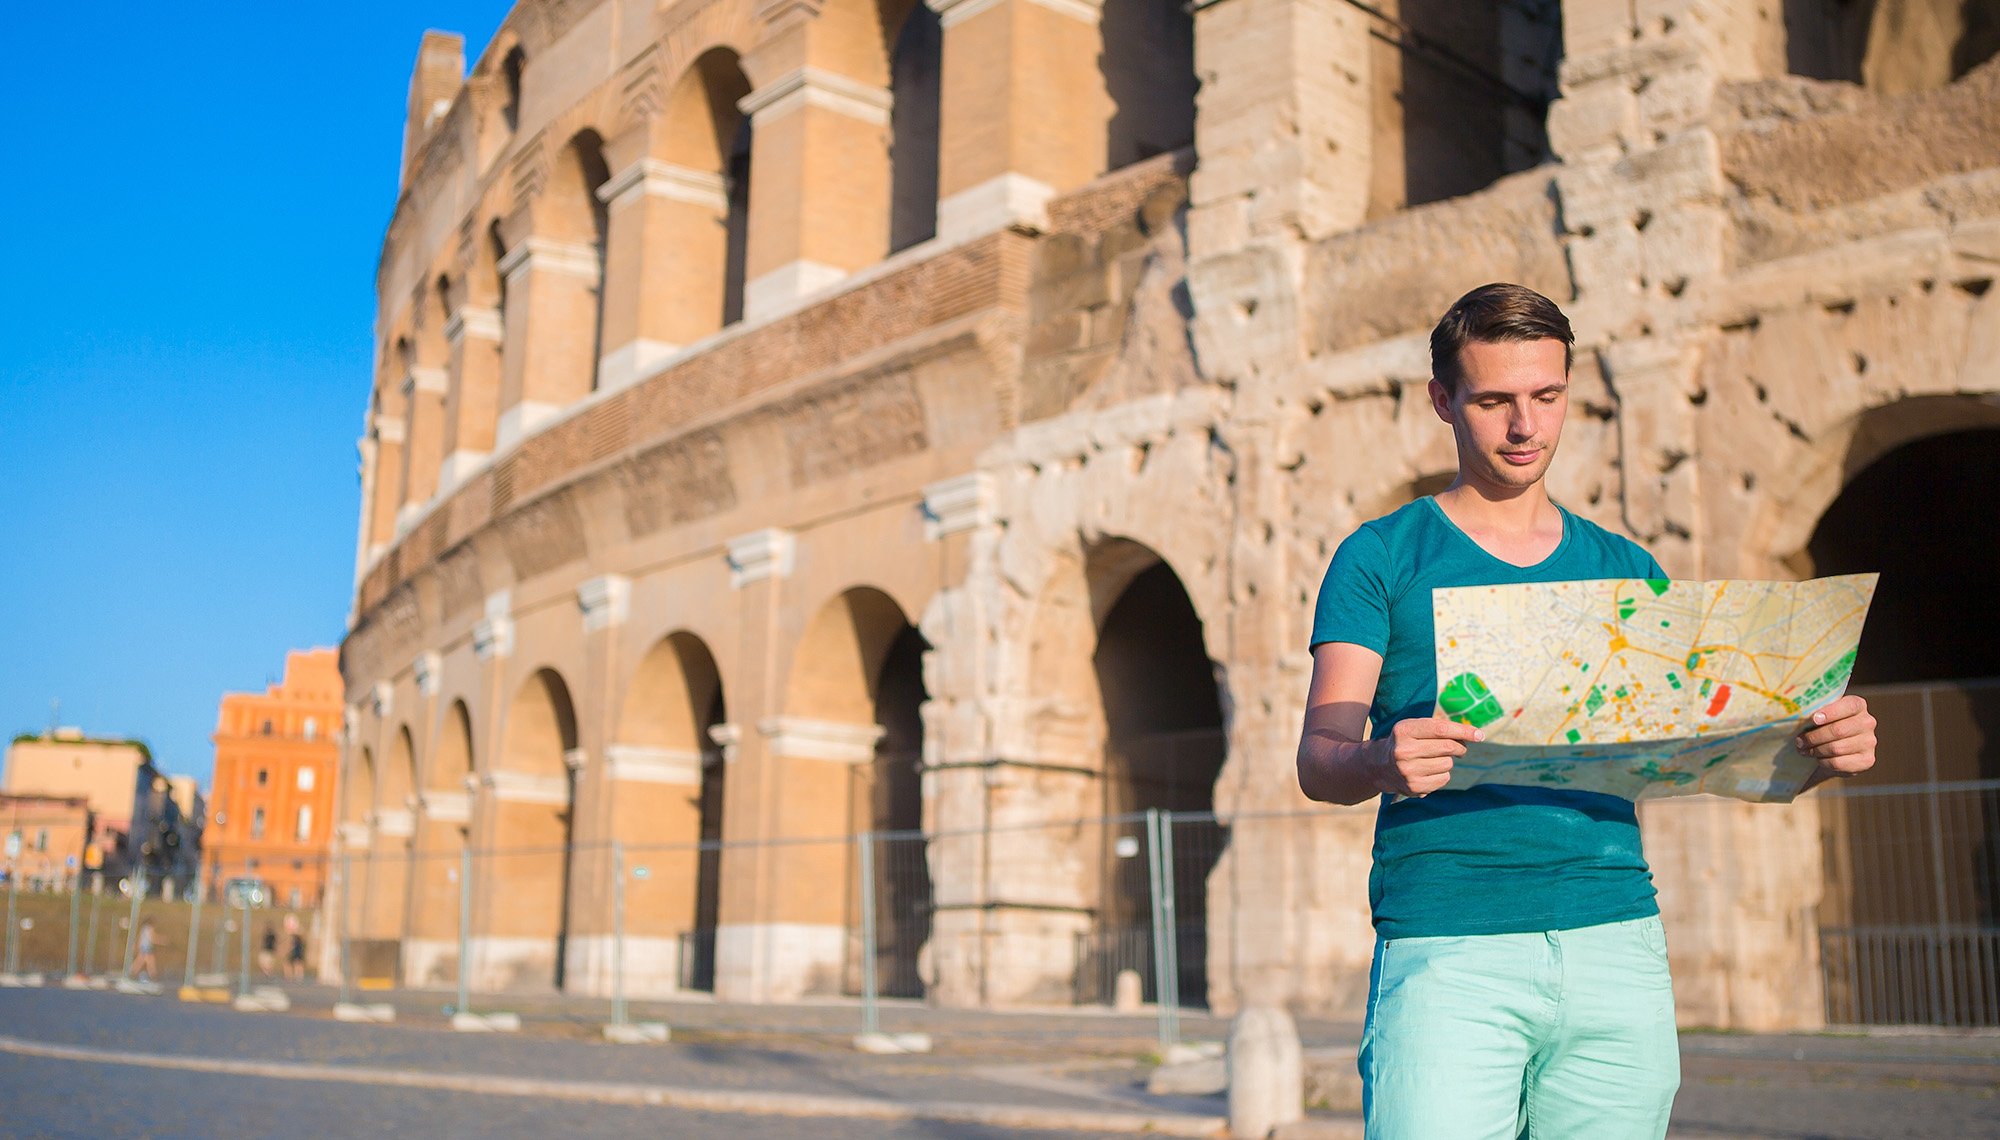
(1645,687)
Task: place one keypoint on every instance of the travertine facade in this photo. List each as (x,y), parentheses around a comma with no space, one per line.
(805,417)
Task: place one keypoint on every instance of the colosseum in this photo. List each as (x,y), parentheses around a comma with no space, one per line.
(797,420)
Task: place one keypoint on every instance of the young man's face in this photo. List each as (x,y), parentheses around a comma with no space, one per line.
(1508,412)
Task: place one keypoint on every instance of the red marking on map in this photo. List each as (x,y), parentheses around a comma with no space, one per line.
(1721,699)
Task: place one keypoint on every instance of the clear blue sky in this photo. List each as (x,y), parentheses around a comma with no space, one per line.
(195,196)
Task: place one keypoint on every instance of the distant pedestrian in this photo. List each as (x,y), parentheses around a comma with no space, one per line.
(143,965)
(267,951)
(295,958)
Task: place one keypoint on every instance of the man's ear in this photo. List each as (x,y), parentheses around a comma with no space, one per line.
(1441,402)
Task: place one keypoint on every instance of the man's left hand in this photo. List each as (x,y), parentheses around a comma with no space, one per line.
(1841,737)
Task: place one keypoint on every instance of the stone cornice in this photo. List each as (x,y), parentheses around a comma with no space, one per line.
(446,807)
(475,322)
(958,11)
(961,504)
(521,788)
(605,601)
(803,738)
(649,177)
(637,764)
(395,823)
(425,669)
(811,86)
(761,554)
(542,255)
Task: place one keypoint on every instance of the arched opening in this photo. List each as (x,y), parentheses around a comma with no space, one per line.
(376,955)
(511,73)
(669,776)
(580,220)
(916,73)
(1462,92)
(360,795)
(1148,67)
(1890,46)
(1164,746)
(1929,664)
(707,221)
(529,867)
(859,680)
(430,953)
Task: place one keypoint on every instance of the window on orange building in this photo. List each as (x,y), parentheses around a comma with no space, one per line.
(304,829)
(263,777)
(257,824)
(305,779)
(267,728)
(312,727)
(42,839)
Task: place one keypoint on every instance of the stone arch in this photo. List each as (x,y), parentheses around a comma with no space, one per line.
(1929,665)
(398,777)
(915,79)
(1128,692)
(1890,46)
(1147,64)
(452,764)
(360,795)
(670,779)
(704,142)
(430,951)
(853,700)
(571,221)
(1782,530)
(389,861)
(527,867)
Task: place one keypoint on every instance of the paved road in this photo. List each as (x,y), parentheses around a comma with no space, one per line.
(63,1099)
(1771,1087)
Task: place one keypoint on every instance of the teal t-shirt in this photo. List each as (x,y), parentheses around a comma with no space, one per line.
(1492,859)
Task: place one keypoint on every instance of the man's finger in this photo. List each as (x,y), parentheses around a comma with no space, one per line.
(1842,729)
(1441,727)
(1851,746)
(1847,706)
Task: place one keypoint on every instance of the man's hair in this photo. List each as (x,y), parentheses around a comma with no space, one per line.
(1492,314)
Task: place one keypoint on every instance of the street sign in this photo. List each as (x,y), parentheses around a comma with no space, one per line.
(70,862)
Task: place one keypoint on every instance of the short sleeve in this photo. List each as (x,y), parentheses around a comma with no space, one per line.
(1354,597)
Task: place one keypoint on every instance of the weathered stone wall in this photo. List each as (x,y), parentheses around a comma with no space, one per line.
(1216,361)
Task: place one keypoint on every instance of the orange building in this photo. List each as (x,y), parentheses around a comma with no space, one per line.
(276,752)
(48,837)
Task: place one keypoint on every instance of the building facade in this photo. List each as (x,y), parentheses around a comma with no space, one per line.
(65,762)
(277,757)
(802,418)
(53,835)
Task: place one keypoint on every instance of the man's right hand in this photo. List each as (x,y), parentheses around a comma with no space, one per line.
(1414,759)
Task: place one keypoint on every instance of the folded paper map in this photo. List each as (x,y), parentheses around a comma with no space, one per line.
(1641,687)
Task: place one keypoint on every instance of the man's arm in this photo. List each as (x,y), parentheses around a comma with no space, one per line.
(1841,737)
(1336,765)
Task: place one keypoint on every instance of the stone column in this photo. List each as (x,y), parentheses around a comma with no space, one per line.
(603,604)
(472,404)
(430,952)
(665,266)
(386,485)
(424,392)
(1022,110)
(550,352)
(819,177)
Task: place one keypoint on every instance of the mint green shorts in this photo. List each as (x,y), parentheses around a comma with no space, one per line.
(1568,1033)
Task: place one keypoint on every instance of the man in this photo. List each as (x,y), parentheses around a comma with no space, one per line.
(1520,980)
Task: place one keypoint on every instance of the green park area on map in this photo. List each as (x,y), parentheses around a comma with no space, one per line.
(1641,688)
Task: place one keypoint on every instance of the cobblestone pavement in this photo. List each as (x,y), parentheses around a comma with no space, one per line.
(1860,1087)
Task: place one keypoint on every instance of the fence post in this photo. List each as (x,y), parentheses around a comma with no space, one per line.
(1940,975)
(90,940)
(194,927)
(13,929)
(1170,922)
(617,932)
(1162,938)
(870,1017)
(464,929)
(75,906)
(138,881)
(221,963)
(340,931)
(243,967)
